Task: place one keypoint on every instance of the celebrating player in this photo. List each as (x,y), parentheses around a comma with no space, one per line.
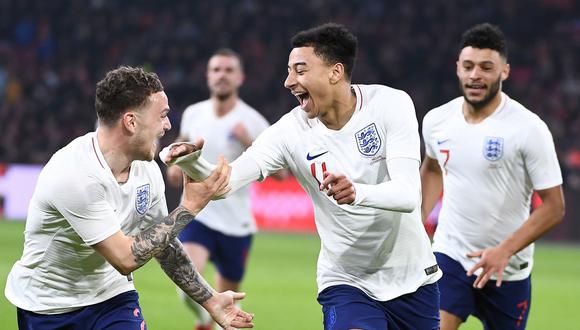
(489,153)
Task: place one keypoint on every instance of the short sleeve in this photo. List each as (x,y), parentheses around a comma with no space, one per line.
(540,157)
(83,204)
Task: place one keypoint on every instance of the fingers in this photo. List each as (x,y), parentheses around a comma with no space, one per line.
(499,278)
(339,187)
(217,175)
(238,296)
(475,254)
(224,174)
(482,279)
(475,267)
(327,180)
(243,320)
(184,148)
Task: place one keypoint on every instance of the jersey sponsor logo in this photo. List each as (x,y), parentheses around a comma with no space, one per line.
(142,199)
(493,148)
(368,140)
(309,157)
(441,141)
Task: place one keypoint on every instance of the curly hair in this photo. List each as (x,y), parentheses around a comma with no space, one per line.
(122,89)
(485,36)
(332,42)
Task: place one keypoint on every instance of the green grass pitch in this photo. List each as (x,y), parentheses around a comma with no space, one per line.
(281,285)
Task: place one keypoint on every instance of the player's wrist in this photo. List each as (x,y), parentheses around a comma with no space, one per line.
(191,207)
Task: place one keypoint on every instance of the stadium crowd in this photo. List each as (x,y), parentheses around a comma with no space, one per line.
(52,53)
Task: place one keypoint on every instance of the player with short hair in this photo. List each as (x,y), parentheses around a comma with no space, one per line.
(489,153)
(355,151)
(98,213)
(222,232)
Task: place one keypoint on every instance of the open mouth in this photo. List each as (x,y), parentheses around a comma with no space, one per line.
(475,86)
(303,98)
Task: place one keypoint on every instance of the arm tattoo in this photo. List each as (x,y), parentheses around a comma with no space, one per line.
(156,238)
(177,265)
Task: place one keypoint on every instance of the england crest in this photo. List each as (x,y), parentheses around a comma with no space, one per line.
(493,148)
(368,140)
(142,199)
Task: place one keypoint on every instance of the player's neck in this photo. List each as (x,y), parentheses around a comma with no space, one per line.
(223,106)
(477,114)
(341,109)
(111,144)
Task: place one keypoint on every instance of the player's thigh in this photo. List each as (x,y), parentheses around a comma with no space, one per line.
(506,307)
(415,310)
(457,296)
(231,256)
(345,307)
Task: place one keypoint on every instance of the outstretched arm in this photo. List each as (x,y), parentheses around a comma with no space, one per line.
(127,253)
(188,156)
(221,306)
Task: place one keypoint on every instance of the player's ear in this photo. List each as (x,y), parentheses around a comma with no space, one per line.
(129,121)
(336,73)
(505,72)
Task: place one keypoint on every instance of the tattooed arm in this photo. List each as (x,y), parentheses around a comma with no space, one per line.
(127,253)
(221,306)
(176,264)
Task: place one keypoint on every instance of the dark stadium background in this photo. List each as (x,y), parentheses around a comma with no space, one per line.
(53,52)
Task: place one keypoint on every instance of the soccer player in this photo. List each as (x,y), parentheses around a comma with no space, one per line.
(489,153)
(98,213)
(223,230)
(355,151)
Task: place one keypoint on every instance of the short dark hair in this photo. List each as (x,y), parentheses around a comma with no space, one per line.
(332,42)
(485,36)
(122,89)
(230,53)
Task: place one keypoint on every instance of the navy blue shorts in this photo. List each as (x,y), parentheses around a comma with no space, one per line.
(346,307)
(228,253)
(121,312)
(506,307)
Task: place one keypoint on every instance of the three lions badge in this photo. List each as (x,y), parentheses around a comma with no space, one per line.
(493,148)
(142,199)
(368,140)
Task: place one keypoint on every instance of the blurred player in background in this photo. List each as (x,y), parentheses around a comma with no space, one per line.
(489,153)
(222,232)
(98,213)
(355,151)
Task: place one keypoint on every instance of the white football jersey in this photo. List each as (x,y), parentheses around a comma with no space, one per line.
(78,203)
(490,170)
(384,253)
(231,216)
